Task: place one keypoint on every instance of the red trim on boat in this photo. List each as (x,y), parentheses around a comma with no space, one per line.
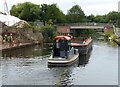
(62,37)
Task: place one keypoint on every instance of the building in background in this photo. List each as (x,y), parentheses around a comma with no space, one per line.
(63,30)
(119,6)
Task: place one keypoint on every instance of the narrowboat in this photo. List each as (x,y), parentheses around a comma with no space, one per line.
(63,54)
(82,44)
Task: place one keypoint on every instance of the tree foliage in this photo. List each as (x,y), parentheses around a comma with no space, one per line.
(86,33)
(32,12)
(52,12)
(26,11)
(90,18)
(118,19)
(100,19)
(48,31)
(75,14)
(112,17)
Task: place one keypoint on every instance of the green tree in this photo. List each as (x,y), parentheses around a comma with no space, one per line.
(118,19)
(48,32)
(100,19)
(112,17)
(26,11)
(43,13)
(91,18)
(75,14)
(52,12)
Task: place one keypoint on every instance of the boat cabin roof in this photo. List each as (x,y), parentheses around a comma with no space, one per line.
(68,36)
(62,37)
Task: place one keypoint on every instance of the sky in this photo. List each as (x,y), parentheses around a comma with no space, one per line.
(96,7)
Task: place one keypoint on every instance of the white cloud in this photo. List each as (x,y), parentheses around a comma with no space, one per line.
(100,9)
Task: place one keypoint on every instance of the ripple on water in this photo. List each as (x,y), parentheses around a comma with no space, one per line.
(29,66)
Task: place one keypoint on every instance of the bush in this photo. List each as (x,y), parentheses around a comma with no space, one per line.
(48,32)
(109,34)
(27,25)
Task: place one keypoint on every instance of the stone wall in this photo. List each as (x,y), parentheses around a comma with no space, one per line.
(24,35)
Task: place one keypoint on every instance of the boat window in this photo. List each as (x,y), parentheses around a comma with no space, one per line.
(57,44)
(69,45)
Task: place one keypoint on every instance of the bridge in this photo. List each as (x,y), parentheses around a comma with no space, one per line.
(67,28)
(90,25)
(87,25)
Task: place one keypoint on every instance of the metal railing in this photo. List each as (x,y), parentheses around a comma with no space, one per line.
(86,24)
(37,24)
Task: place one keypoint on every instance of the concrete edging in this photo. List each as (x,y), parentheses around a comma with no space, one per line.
(18,47)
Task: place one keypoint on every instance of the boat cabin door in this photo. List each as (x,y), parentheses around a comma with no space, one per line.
(60,48)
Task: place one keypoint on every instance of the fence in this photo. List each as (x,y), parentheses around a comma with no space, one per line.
(87,24)
(37,24)
(40,24)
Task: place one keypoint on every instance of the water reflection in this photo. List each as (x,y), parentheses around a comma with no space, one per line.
(28,52)
(112,43)
(27,56)
(28,66)
(84,59)
(34,59)
(63,75)
(65,78)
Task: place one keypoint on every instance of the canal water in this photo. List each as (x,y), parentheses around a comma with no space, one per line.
(28,66)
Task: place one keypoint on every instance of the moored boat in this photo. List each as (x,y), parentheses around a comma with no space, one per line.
(63,54)
(82,44)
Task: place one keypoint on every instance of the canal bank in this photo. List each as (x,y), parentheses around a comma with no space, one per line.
(11,47)
(28,66)
(20,35)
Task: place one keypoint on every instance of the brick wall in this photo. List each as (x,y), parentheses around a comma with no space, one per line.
(63,29)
